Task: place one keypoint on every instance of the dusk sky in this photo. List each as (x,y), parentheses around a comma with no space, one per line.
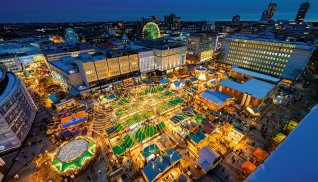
(13,11)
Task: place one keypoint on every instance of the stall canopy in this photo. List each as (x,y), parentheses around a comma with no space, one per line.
(74,119)
(216,97)
(149,150)
(193,79)
(279,138)
(248,167)
(207,158)
(197,138)
(151,171)
(161,164)
(260,154)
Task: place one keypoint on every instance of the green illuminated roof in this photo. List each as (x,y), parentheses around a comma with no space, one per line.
(70,149)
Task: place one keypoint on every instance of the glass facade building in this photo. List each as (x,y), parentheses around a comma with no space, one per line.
(276,58)
(17,111)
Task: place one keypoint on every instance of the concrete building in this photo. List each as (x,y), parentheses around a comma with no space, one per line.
(285,60)
(200,48)
(17,111)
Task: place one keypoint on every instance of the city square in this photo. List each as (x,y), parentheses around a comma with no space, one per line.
(159,100)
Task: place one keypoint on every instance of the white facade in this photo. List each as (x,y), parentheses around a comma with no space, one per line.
(146,61)
(169,58)
(17,111)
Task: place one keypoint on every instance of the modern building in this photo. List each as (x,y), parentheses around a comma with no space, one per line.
(146,61)
(91,70)
(200,48)
(300,17)
(17,111)
(172,21)
(66,72)
(168,55)
(15,55)
(293,151)
(281,59)
(269,12)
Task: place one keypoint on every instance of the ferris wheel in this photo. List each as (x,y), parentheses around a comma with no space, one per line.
(151,31)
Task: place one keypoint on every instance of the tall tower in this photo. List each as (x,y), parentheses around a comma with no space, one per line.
(302,12)
(269,12)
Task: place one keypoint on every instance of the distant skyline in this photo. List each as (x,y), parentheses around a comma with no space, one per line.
(25,11)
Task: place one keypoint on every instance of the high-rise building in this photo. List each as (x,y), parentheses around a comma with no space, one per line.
(172,21)
(269,13)
(236,20)
(302,12)
(200,48)
(17,111)
(280,59)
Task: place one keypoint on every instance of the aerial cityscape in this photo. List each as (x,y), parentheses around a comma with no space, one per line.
(125,92)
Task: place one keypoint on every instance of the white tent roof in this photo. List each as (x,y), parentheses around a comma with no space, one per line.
(296,158)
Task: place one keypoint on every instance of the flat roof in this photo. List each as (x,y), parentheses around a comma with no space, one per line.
(216,97)
(257,88)
(295,159)
(299,45)
(256,74)
(65,64)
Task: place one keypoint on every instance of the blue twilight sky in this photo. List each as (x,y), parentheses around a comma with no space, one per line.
(12,11)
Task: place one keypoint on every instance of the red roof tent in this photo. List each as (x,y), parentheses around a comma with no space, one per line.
(248,167)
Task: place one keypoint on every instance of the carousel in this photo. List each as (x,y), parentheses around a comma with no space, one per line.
(75,155)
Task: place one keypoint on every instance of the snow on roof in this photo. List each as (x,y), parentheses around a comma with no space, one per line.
(217,97)
(256,75)
(295,159)
(257,88)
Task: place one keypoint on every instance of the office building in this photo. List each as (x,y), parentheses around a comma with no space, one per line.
(281,59)
(17,111)
(268,14)
(200,48)
(172,21)
(304,7)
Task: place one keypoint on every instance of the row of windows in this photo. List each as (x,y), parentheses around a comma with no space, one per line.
(264,58)
(259,62)
(253,52)
(265,43)
(242,45)
(266,69)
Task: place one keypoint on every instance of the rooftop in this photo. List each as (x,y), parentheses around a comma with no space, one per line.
(256,74)
(295,159)
(65,64)
(257,88)
(216,97)
(300,45)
